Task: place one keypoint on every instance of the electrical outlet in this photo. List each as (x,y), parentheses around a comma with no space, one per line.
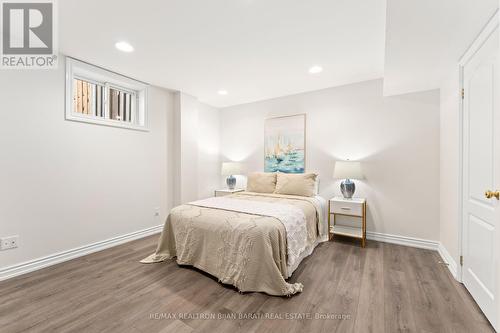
(8,242)
(157,211)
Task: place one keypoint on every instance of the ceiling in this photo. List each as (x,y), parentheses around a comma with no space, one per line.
(426,38)
(254,49)
(261,49)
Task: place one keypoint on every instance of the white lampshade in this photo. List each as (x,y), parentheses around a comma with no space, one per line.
(348,170)
(231,168)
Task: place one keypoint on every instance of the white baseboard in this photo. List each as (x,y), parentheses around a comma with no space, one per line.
(419,243)
(33,265)
(403,240)
(447,258)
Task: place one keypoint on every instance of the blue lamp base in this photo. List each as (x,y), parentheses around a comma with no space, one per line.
(347,188)
(231,182)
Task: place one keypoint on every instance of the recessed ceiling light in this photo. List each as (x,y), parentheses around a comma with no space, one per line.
(315,69)
(124,46)
(222,92)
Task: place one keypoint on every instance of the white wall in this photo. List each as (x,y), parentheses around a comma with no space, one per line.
(209,161)
(497,238)
(66,184)
(450,163)
(197,159)
(186,151)
(397,138)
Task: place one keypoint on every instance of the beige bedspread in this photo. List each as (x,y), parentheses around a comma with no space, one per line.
(245,250)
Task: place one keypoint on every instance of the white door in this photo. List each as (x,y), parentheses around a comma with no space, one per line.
(481,151)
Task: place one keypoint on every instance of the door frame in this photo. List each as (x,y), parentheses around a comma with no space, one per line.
(483,36)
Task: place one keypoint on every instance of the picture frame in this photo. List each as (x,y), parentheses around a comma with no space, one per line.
(285,144)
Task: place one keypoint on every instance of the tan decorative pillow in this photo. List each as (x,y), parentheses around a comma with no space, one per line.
(262,182)
(302,184)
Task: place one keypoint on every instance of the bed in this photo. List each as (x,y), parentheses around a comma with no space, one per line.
(253,241)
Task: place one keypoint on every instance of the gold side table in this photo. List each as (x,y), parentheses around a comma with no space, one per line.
(355,207)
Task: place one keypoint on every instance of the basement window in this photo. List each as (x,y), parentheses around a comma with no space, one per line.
(98,96)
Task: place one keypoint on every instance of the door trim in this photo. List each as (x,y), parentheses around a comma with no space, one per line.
(478,42)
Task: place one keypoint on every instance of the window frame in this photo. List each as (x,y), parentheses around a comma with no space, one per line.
(79,70)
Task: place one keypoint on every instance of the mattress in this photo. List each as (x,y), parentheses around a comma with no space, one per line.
(250,240)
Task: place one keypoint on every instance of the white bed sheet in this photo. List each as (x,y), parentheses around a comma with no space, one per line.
(322,237)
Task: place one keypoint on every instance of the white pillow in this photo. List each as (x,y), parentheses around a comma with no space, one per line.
(261,182)
(303,184)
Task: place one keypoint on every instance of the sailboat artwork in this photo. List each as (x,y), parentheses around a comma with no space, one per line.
(284,144)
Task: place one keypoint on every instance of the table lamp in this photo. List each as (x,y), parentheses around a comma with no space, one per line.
(230,169)
(347,170)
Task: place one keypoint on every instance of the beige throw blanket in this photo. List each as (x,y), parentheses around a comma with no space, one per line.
(292,217)
(246,249)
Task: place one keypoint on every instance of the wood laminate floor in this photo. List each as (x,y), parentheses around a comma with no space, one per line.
(382,288)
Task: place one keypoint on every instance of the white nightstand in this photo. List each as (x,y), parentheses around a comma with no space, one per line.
(355,207)
(224,192)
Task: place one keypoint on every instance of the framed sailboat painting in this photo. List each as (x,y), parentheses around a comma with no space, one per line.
(285,144)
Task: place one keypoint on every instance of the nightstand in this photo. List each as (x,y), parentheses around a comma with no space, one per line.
(355,207)
(224,192)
